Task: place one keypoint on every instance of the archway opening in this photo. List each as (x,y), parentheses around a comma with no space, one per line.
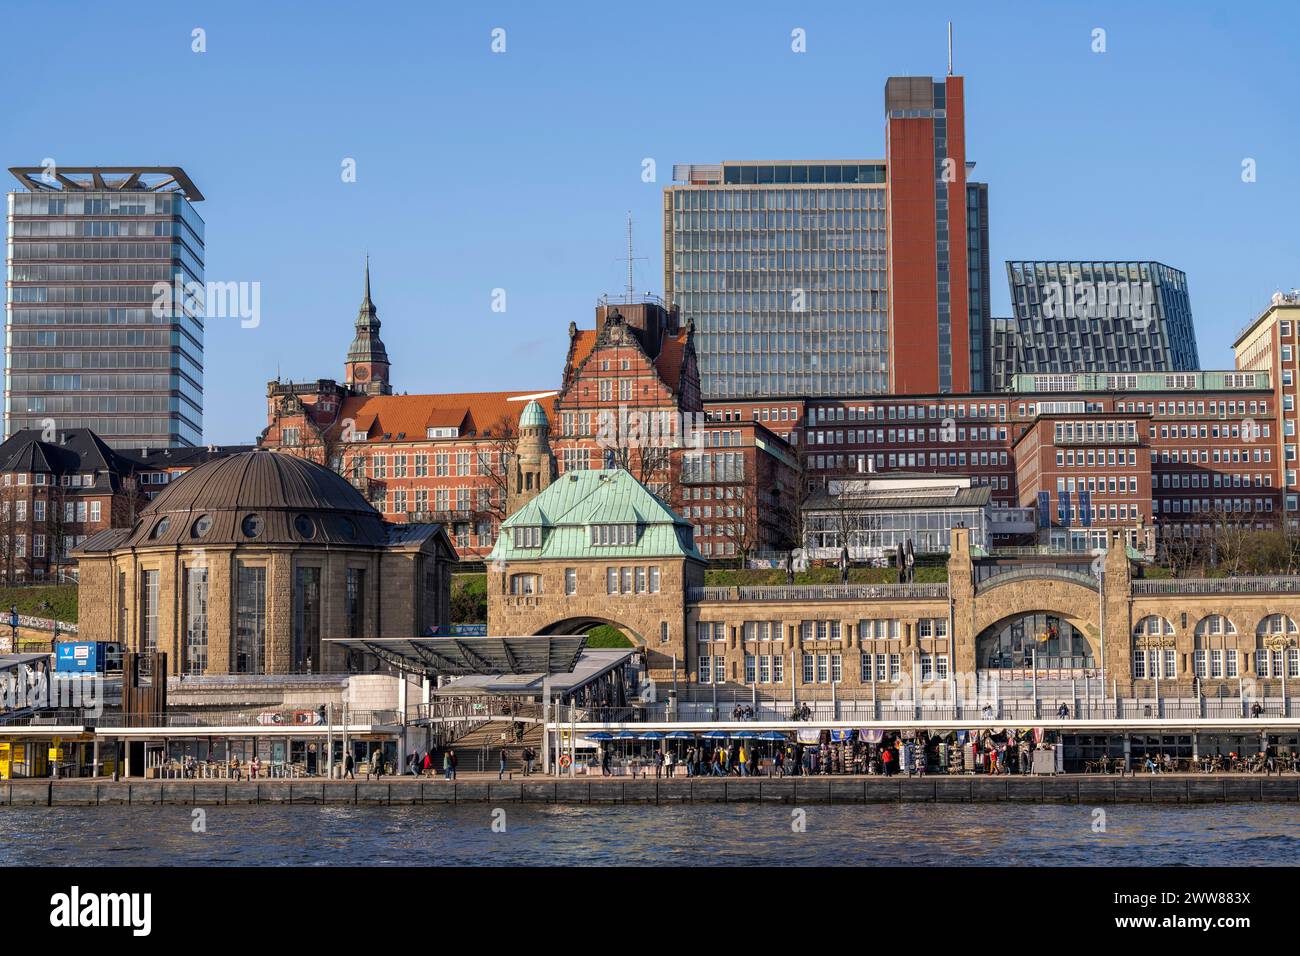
(1042,639)
(600,632)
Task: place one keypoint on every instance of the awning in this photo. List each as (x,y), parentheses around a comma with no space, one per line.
(455,656)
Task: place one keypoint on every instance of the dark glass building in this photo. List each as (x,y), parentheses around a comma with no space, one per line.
(1098,316)
(91,342)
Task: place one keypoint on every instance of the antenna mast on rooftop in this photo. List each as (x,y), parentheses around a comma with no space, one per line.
(950,48)
(629,255)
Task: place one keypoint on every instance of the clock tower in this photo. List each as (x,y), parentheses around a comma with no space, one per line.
(366,370)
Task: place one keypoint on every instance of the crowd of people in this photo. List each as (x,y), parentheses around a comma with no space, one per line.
(908,753)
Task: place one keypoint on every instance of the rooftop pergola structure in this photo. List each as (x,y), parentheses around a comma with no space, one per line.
(150,179)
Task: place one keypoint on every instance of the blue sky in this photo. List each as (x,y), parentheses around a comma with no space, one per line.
(478,171)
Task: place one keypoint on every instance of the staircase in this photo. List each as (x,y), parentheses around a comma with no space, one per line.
(480,748)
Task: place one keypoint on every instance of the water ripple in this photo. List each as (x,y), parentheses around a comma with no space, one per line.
(703,834)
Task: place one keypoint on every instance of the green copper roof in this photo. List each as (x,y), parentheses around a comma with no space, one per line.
(532,416)
(576,500)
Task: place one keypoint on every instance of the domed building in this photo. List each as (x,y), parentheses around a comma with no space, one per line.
(244,564)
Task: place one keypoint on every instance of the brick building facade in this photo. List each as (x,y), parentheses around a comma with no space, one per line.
(629,398)
(55,491)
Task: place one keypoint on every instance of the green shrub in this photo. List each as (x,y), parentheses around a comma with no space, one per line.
(61,598)
(606,635)
(469,599)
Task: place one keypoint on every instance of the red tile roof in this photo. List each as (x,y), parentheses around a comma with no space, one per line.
(473,413)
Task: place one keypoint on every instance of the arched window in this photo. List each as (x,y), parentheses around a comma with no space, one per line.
(1276,651)
(1213,625)
(1215,653)
(1150,658)
(1152,625)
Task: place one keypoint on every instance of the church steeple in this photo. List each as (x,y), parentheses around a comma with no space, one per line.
(366,370)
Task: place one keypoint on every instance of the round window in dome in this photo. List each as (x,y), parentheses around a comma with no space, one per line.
(202,525)
(161,527)
(349,529)
(304,526)
(251,526)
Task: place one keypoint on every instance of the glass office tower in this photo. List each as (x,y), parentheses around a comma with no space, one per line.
(782,267)
(91,342)
(1101,316)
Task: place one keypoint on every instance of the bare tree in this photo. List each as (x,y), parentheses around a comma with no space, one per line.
(740,521)
(496,457)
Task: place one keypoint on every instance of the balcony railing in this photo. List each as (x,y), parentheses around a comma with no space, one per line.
(821,592)
(1279,584)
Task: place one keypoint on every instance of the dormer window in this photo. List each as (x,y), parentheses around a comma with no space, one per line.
(603,535)
(528,537)
(442,432)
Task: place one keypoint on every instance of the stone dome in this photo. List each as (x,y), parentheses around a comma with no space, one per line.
(258,497)
(533,416)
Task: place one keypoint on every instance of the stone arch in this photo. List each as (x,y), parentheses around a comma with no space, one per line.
(581,624)
(1215,624)
(997,601)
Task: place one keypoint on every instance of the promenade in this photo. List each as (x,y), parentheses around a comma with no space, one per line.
(1085,789)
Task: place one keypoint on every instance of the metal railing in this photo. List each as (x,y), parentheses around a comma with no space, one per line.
(1021,574)
(1038,550)
(221,681)
(308,720)
(1010,710)
(1279,584)
(820,592)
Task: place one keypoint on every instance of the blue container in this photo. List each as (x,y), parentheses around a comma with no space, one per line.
(86,657)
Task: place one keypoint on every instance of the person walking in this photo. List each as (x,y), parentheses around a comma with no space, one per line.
(446,764)
(427,766)
(887,760)
(347,767)
(659,763)
(501,766)
(670,764)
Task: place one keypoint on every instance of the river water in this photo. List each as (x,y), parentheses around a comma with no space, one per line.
(735,834)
